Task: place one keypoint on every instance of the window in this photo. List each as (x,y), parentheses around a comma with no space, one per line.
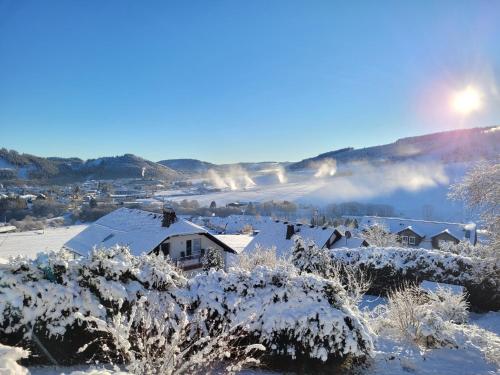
(411,240)
(189,247)
(405,239)
(197,245)
(165,248)
(467,234)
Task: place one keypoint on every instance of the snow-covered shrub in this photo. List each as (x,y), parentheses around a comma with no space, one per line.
(465,248)
(8,360)
(449,305)
(310,258)
(43,301)
(425,317)
(389,267)
(260,256)
(151,343)
(297,316)
(212,259)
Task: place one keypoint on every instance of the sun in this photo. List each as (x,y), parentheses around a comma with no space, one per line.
(467,100)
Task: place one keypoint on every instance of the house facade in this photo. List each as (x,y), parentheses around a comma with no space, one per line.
(146,232)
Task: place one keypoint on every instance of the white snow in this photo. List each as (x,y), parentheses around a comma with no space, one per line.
(8,360)
(32,242)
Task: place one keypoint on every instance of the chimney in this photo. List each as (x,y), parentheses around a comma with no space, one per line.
(290,231)
(169,217)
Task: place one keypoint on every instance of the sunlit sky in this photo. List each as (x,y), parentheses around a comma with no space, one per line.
(227,81)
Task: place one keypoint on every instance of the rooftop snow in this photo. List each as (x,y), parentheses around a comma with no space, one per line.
(273,234)
(140,230)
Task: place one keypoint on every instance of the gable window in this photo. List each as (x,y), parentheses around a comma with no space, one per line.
(467,234)
(412,240)
(405,239)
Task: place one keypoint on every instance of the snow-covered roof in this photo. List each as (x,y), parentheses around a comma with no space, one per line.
(423,228)
(351,243)
(410,227)
(140,230)
(237,242)
(273,234)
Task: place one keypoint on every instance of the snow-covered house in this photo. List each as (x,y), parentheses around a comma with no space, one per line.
(279,235)
(146,232)
(423,233)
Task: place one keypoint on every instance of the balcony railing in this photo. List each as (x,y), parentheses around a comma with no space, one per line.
(190,261)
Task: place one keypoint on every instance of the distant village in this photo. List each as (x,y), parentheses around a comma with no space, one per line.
(131,212)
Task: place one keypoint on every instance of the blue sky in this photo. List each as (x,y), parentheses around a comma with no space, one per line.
(227,81)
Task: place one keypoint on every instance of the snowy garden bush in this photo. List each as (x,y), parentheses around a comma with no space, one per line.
(140,312)
(261,256)
(50,304)
(309,258)
(295,316)
(391,267)
(425,317)
(212,259)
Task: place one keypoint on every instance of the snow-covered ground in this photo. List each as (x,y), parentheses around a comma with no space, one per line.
(32,242)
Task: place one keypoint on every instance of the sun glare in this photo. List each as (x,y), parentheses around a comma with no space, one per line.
(466,101)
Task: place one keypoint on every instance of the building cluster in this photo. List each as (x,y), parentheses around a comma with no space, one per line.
(187,241)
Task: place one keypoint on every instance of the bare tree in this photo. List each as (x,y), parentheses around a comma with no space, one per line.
(480,190)
(379,235)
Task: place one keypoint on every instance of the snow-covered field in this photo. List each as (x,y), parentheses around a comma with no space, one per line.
(32,242)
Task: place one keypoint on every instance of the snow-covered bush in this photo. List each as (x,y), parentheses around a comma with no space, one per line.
(465,248)
(295,316)
(212,259)
(425,317)
(151,343)
(43,301)
(260,256)
(389,267)
(8,360)
(310,258)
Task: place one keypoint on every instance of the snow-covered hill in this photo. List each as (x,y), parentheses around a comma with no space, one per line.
(462,145)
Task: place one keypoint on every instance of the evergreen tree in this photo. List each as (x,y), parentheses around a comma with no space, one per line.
(212,259)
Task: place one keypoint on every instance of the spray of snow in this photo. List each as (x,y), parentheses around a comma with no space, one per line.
(143,171)
(280,173)
(326,168)
(236,178)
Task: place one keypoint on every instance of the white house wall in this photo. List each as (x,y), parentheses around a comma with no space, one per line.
(178,244)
